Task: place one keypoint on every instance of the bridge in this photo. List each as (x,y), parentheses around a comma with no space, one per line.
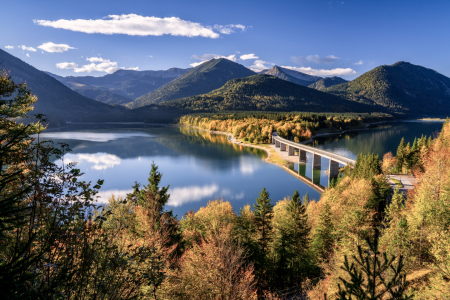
(300,150)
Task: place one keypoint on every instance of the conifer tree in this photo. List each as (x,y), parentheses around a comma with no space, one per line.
(323,237)
(263,222)
(400,155)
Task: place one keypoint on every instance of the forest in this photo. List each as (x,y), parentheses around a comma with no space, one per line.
(256,127)
(361,240)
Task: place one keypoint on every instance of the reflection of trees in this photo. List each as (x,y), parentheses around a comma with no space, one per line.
(379,140)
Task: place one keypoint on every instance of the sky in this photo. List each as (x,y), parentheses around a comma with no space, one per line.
(321,38)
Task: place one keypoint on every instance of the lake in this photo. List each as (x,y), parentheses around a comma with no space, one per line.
(200,166)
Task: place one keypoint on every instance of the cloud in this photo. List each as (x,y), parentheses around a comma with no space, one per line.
(207,57)
(9,47)
(260,65)
(133,24)
(228,29)
(28,55)
(323,72)
(329,59)
(103,196)
(25,48)
(97,64)
(248,56)
(180,196)
(99,161)
(51,47)
(358,63)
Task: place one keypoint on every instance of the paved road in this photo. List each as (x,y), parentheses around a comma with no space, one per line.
(408,182)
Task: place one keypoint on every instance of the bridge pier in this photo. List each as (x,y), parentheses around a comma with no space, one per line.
(333,170)
(317,164)
(282,147)
(291,150)
(277,144)
(302,156)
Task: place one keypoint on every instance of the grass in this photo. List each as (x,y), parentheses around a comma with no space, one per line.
(397,182)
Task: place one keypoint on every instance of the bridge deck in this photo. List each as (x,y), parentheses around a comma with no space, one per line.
(338,158)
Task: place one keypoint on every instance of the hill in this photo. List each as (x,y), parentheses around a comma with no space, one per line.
(55,100)
(100,94)
(326,82)
(126,83)
(202,79)
(291,75)
(402,88)
(268,93)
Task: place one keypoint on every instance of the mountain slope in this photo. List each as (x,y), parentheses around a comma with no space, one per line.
(127,83)
(204,78)
(54,99)
(291,75)
(101,94)
(327,82)
(268,93)
(402,88)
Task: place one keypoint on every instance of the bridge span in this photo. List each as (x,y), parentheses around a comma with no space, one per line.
(300,150)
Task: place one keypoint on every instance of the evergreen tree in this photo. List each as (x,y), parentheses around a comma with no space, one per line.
(400,155)
(369,278)
(323,237)
(263,222)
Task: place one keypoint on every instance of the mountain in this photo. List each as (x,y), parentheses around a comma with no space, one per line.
(326,82)
(126,83)
(101,94)
(55,100)
(291,75)
(268,93)
(200,80)
(402,88)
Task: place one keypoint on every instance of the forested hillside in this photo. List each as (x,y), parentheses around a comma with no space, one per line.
(401,87)
(268,93)
(204,78)
(326,82)
(291,75)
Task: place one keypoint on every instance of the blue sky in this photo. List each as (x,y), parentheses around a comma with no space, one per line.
(324,38)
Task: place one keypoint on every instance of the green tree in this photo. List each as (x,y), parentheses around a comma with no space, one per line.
(263,223)
(372,278)
(401,155)
(323,242)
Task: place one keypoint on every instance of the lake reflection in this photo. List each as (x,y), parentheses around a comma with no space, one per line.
(198,166)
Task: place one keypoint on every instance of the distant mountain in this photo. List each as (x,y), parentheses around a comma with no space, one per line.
(55,100)
(101,94)
(291,75)
(326,82)
(267,93)
(204,78)
(401,87)
(126,83)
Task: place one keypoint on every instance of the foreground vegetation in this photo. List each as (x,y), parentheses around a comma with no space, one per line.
(300,126)
(354,243)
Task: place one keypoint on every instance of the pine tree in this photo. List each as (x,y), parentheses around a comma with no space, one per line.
(323,237)
(263,222)
(400,155)
(368,278)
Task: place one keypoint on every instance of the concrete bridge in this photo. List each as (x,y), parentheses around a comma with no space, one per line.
(294,149)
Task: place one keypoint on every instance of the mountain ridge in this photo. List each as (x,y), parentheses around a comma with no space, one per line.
(291,75)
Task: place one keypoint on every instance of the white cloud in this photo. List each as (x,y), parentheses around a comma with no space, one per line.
(259,65)
(66,65)
(25,48)
(248,56)
(323,72)
(99,161)
(329,59)
(51,47)
(358,63)
(207,57)
(103,196)
(28,55)
(97,64)
(180,196)
(228,29)
(9,47)
(133,24)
